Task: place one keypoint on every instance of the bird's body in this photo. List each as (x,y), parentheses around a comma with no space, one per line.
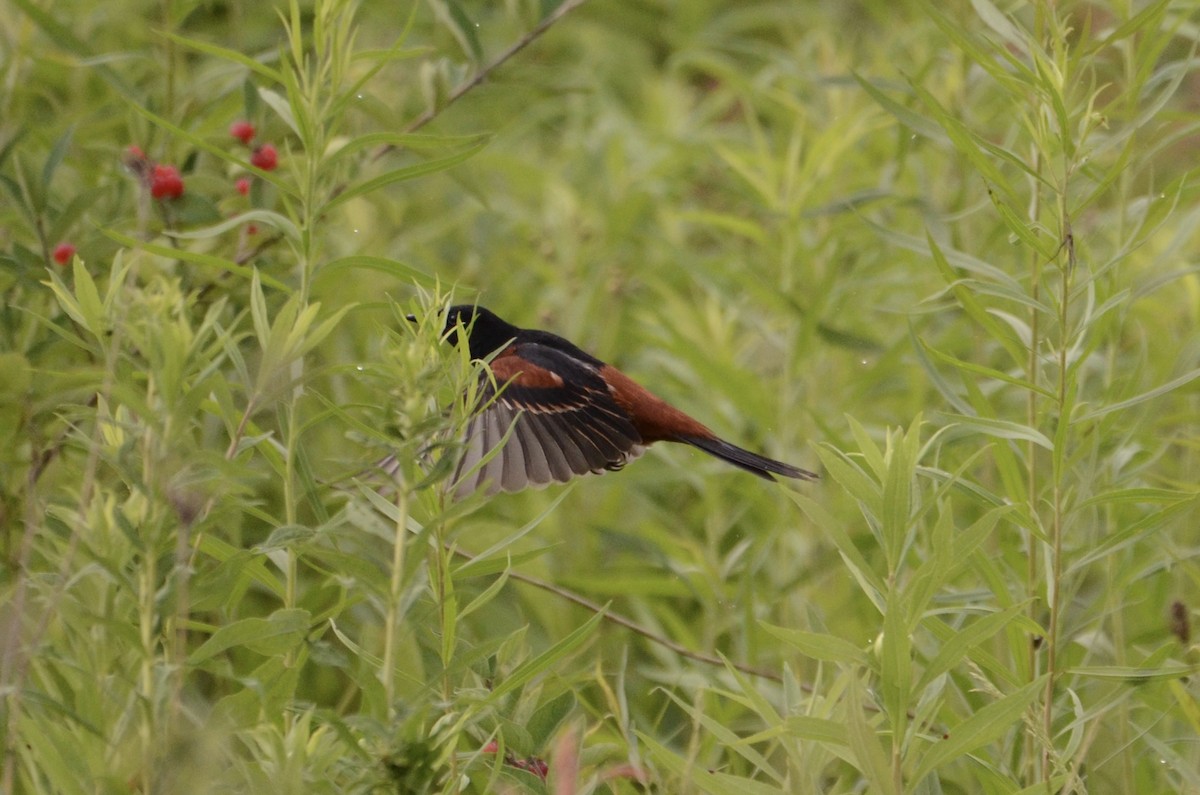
(566,413)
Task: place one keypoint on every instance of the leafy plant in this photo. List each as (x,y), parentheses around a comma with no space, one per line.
(952,246)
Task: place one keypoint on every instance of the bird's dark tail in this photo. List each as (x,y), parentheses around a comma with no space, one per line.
(751,462)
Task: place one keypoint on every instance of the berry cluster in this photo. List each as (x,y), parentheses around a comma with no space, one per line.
(164,182)
(264,156)
(533,764)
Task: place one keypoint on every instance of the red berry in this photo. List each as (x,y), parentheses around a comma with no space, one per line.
(243,131)
(533,765)
(165,182)
(63,253)
(265,157)
(491,747)
(243,186)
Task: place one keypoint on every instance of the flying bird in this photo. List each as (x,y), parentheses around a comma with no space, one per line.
(569,412)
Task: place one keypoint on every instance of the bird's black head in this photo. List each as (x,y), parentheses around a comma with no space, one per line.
(486,333)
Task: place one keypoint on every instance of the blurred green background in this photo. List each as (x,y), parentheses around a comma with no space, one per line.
(944,255)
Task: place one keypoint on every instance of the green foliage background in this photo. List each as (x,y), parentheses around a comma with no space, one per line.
(944,253)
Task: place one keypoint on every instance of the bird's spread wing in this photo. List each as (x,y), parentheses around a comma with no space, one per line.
(563,420)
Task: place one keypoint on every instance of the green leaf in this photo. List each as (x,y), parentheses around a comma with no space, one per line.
(451,14)
(865,741)
(895,663)
(1002,429)
(390,267)
(227,54)
(91,309)
(983,371)
(935,570)
(726,222)
(1138,495)
(917,122)
(67,299)
(954,650)
(258,311)
(267,636)
(56,157)
(818,646)
(804,727)
(414,141)
(248,566)
(402,174)
(844,471)
(699,779)
(972,306)
(541,664)
(70,215)
(870,582)
(1133,674)
(488,594)
(1023,228)
(1130,533)
(727,737)
(1157,392)
(486,567)
(271,219)
(549,716)
(282,108)
(206,260)
(1001,25)
(270,689)
(286,537)
(896,506)
(997,60)
(192,208)
(984,726)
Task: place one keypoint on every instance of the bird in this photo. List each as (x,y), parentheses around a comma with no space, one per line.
(569,413)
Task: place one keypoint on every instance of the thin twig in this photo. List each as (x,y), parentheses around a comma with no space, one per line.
(459,91)
(462,88)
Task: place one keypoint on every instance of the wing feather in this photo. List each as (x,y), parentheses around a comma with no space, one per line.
(564,423)
(537,467)
(514,460)
(493,470)
(556,460)
(561,436)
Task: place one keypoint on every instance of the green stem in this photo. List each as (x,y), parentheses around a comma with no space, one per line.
(1054,586)
(169,72)
(289,505)
(1033,375)
(147,728)
(394,596)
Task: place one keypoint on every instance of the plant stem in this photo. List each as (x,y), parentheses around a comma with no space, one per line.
(1054,585)
(289,505)
(1033,375)
(146,727)
(462,88)
(394,596)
